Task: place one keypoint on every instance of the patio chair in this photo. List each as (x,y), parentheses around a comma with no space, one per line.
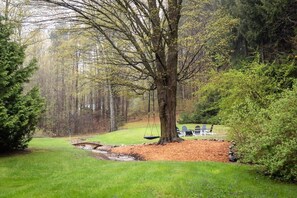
(197,130)
(179,133)
(186,131)
(204,130)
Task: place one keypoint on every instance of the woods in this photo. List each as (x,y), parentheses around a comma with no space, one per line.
(150,34)
(80,102)
(217,62)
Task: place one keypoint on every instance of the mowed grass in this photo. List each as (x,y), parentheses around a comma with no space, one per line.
(53,168)
(133,133)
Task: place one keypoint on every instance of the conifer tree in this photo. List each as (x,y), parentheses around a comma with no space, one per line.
(19,110)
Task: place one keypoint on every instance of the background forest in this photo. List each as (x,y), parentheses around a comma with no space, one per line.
(245,76)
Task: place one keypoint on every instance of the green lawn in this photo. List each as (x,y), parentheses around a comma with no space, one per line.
(133,133)
(54,168)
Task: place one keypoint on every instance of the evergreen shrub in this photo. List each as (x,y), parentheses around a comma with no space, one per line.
(19,110)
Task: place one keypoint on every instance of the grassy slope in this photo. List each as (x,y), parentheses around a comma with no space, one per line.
(56,169)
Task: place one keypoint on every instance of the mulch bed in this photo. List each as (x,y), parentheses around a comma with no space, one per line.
(188,150)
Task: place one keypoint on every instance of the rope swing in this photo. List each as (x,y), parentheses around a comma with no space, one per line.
(151,127)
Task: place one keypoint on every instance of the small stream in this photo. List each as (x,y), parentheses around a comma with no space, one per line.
(103,152)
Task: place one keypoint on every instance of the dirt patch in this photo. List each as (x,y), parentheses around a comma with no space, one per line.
(188,150)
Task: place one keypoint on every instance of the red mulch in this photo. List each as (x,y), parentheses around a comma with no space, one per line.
(188,150)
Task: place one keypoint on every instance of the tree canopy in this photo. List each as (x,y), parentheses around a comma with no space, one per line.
(267,26)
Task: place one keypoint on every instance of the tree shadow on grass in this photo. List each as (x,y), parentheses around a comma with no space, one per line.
(16,153)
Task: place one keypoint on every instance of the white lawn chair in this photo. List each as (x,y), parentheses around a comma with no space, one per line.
(180,133)
(205,131)
(186,131)
(197,130)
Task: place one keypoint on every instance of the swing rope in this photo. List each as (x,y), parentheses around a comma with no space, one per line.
(150,126)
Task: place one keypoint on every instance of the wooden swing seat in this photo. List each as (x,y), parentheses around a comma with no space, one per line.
(151,137)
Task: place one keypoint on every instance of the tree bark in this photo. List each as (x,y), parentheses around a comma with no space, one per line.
(166,80)
(167,112)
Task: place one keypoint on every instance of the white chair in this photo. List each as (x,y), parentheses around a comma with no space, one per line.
(186,131)
(180,133)
(197,130)
(205,131)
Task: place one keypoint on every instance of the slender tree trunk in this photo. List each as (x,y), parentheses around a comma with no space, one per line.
(262,52)
(113,125)
(126,110)
(6,11)
(76,111)
(122,103)
(245,47)
(183,92)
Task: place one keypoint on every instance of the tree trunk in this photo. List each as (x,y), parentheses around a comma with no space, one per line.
(113,125)
(76,90)
(167,90)
(166,65)
(126,110)
(167,112)
(6,11)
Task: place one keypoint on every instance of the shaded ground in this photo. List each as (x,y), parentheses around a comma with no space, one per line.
(188,150)
(16,153)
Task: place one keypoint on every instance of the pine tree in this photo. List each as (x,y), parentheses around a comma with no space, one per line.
(19,110)
(266,26)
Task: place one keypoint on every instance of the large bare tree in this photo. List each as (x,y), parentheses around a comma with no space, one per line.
(144,34)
